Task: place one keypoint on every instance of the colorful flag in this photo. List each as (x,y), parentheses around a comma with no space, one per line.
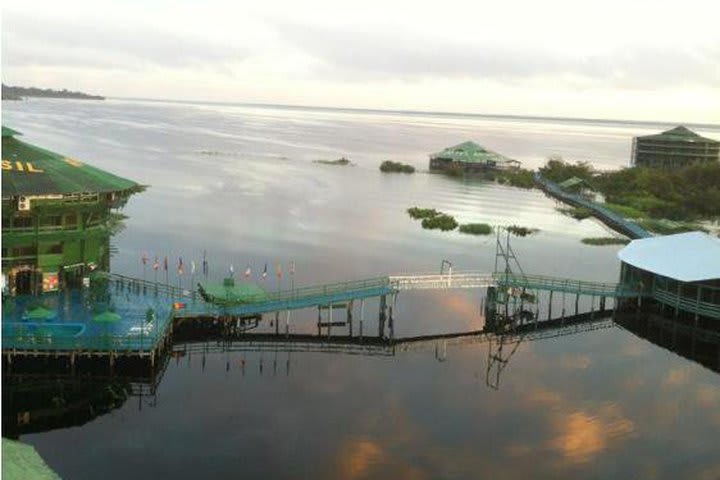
(292,267)
(205,263)
(264,274)
(156,264)
(248,271)
(278,271)
(144,258)
(165,264)
(181,268)
(192,267)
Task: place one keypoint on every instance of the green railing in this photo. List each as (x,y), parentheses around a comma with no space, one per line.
(150,286)
(686,304)
(315,291)
(543,282)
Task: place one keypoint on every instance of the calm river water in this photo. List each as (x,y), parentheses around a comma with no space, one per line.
(241,184)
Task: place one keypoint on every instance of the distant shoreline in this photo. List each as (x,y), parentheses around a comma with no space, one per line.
(19,93)
(575,120)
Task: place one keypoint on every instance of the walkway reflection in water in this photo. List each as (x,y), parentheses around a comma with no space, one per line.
(37,402)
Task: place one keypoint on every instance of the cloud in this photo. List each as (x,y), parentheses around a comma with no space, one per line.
(47,42)
(351,53)
(582,436)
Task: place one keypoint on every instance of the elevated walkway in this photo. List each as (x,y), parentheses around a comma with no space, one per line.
(607,216)
(565,285)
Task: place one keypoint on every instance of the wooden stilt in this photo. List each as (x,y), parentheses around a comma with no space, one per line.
(550,306)
(362,314)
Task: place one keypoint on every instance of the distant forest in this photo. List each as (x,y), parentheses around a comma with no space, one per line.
(18,93)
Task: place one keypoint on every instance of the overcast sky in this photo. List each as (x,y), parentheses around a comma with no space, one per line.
(632,59)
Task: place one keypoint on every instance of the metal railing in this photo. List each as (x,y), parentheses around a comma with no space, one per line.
(442,281)
(582,287)
(686,304)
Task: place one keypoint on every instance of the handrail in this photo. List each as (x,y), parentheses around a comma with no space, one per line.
(686,304)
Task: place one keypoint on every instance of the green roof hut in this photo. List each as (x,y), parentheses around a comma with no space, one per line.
(469,157)
(675,148)
(57,216)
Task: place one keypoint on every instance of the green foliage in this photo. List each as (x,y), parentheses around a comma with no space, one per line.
(605,241)
(476,228)
(390,166)
(558,170)
(519,178)
(442,222)
(691,192)
(519,231)
(624,210)
(578,213)
(419,213)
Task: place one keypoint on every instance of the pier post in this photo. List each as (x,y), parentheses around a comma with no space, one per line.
(391,324)
(550,305)
(277,323)
(350,317)
(577,303)
(381,318)
(287,324)
(592,307)
(319,319)
(602,304)
(330,319)
(362,315)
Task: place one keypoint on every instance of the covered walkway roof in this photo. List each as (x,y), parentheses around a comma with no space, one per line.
(687,257)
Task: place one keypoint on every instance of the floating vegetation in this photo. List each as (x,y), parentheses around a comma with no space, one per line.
(442,222)
(419,213)
(340,161)
(605,241)
(390,166)
(578,213)
(476,228)
(519,231)
(433,219)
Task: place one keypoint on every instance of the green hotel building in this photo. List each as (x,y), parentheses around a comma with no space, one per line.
(57,217)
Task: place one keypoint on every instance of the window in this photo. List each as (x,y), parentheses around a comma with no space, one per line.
(71,221)
(51,221)
(28,251)
(23,222)
(56,248)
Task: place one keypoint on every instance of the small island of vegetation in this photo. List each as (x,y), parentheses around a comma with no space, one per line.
(519,231)
(605,241)
(433,219)
(476,229)
(390,166)
(18,93)
(340,161)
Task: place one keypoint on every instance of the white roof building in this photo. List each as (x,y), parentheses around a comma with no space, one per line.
(686,257)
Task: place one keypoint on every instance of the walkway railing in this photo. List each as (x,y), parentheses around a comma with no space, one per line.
(303,297)
(686,304)
(607,216)
(579,287)
(442,281)
(149,286)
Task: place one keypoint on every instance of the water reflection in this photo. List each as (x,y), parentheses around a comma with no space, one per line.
(37,401)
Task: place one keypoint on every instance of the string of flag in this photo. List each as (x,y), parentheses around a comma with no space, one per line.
(161,263)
